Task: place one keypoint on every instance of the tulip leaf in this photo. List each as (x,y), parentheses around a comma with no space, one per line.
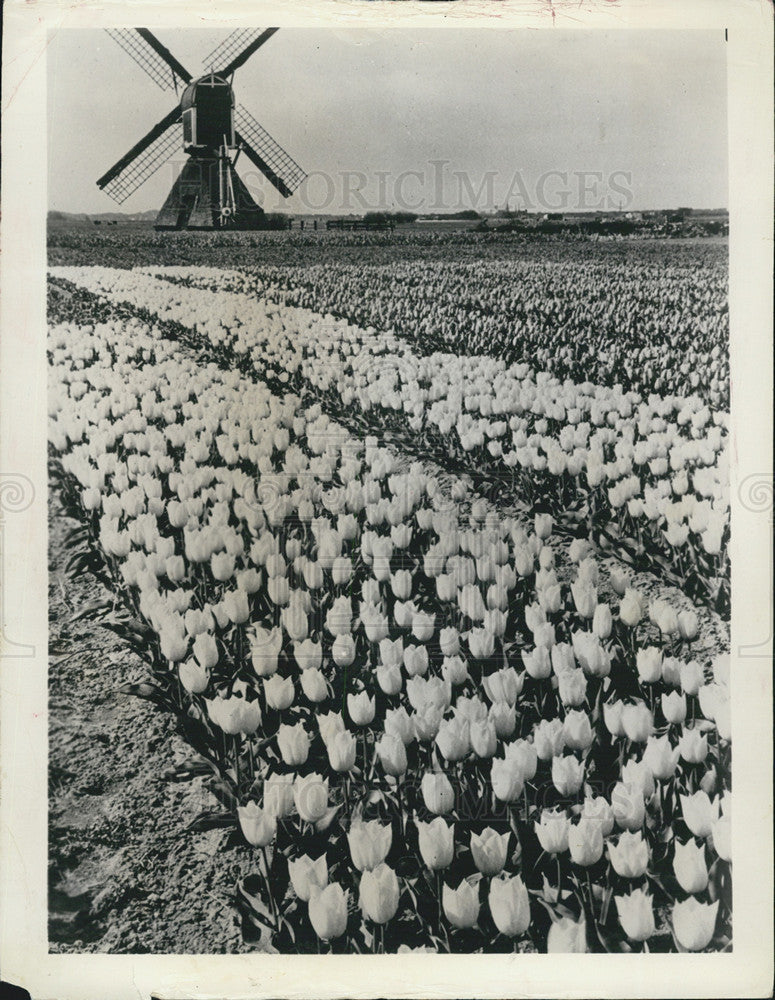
(187,770)
(211,819)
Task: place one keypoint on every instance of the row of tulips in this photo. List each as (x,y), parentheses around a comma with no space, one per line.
(391,680)
(660,326)
(650,474)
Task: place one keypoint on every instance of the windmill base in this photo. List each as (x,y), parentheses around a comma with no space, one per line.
(196,199)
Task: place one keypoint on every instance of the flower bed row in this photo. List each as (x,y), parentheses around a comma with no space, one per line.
(431,741)
(647,477)
(653,326)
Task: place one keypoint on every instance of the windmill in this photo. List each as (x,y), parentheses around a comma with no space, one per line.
(208,193)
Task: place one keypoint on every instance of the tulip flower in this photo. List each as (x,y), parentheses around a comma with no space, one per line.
(437,792)
(489,850)
(567,936)
(638,774)
(612,716)
(524,755)
(649,664)
(699,813)
(694,923)
(674,707)
(449,641)
(630,855)
(306,874)
(264,650)
(637,722)
(454,670)
(279,692)
(577,729)
(481,643)
(461,905)
(343,650)
(369,844)
(416,661)
(361,708)
(329,725)
(278,795)
(585,598)
(328,912)
(693,746)
(509,905)
(423,626)
(437,845)
(553,831)
(690,867)
(564,660)
(392,755)
(470,602)
(310,796)
(313,684)
(391,652)
(401,584)
(503,685)
(398,723)
(585,841)
(453,739)
(691,677)
(721,831)
(308,654)
(598,808)
(293,743)
(544,635)
(341,752)
(507,779)
(484,739)
(206,651)
(636,915)
(549,738)
(389,679)
(628,806)
(339,617)
(567,774)
(193,677)
(427,722)
(660,758)
(602,622)
(379,894)
(630,608)
(688,625)
(258,825)
(537,663)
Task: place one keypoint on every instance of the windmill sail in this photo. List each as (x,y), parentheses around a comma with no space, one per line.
(271,159)
(123,179)
(237,48)
(151,56)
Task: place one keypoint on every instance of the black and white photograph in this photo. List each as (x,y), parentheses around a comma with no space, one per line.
(390,476)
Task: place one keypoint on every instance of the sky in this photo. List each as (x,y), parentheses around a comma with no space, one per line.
(438,119)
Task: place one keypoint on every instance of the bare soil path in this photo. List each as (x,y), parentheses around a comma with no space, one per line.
(124,874)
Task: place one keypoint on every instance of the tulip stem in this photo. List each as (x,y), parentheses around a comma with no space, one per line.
(559,878)
(591,897)
(236,763)
(268,885)
(346,790)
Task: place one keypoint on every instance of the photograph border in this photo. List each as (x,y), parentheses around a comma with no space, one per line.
(24,957)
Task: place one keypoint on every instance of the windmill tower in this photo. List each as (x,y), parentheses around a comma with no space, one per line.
(208,193)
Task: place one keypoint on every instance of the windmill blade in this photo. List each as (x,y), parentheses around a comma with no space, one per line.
(144,158)
(271,159)
(237,48)
(151,56)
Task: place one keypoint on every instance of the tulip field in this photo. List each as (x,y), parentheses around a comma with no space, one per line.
(434,584)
